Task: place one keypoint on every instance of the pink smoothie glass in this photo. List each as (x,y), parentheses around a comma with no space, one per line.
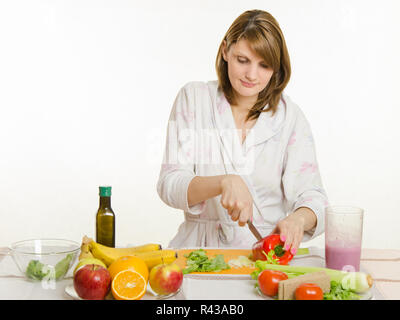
(343,236)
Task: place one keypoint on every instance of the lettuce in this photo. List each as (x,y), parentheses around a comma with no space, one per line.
(198,261)
(339,293)
(36,270)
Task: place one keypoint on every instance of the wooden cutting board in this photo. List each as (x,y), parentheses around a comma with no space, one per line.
(228,254)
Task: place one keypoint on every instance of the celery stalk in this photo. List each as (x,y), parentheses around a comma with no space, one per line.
(302,251)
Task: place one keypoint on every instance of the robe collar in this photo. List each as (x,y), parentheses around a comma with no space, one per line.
(266,126)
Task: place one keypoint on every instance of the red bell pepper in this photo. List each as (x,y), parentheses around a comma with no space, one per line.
(272,242)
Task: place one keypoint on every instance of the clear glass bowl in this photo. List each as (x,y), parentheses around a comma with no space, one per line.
(44,259)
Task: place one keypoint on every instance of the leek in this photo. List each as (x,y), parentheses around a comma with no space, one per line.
(358,282)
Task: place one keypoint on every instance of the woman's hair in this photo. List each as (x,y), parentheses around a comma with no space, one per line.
(265,37)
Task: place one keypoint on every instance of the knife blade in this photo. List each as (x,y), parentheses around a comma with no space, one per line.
(254,230)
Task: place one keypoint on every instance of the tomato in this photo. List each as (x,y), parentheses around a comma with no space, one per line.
(268,281)
(309,291)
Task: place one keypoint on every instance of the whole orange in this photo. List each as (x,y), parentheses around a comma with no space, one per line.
(129,263)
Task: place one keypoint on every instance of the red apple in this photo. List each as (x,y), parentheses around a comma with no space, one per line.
(92,282)
(165,278)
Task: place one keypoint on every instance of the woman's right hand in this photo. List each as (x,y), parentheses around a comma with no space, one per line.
(236,198)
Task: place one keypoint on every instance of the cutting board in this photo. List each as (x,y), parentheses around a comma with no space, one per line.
(228,254)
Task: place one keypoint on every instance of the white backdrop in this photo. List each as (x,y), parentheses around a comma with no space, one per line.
(86,88)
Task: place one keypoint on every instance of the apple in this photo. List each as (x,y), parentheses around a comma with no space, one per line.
(86,261)
(165,279)
(92,282)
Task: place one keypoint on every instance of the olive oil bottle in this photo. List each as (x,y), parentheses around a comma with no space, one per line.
(105,219)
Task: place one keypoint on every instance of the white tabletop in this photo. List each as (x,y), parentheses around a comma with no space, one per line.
(14,286)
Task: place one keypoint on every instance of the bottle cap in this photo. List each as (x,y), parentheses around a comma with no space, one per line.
(105,191)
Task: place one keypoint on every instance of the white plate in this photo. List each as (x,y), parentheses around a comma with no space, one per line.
(70,290)
(150,295)
(364,296)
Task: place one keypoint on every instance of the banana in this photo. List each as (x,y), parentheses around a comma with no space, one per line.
(108,254)
(153,258)
(145,247)
(85,249)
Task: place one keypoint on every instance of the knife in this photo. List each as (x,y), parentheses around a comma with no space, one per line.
(254,230)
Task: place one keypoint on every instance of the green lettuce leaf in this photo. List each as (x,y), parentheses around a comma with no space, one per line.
(338,293)
(36,270)
(198,261)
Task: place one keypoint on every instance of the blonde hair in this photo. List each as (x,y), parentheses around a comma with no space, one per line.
(265,37)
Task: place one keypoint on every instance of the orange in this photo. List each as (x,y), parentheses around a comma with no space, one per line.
(128,285)
(129,263)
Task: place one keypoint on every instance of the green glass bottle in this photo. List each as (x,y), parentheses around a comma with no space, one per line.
(105,219)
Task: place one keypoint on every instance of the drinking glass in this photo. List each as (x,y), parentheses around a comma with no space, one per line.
(343,237)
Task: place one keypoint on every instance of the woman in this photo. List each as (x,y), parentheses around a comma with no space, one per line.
(239,149)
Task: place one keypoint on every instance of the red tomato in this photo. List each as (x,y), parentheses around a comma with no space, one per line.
(309,291)
(268,281)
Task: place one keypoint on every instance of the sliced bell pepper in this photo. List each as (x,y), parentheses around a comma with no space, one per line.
(272,242)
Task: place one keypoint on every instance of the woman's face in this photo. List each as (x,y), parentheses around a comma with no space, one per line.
(247,72)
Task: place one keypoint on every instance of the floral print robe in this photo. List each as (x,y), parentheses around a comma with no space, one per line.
(277,161)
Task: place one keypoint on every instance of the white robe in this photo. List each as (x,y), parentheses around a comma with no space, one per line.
(277,161)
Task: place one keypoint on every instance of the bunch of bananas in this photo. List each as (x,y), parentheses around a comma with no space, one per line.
(152,254)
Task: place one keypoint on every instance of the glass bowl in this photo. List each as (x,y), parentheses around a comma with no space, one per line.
(44,259)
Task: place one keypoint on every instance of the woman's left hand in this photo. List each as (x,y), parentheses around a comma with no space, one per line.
(293,226)
(291,230)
